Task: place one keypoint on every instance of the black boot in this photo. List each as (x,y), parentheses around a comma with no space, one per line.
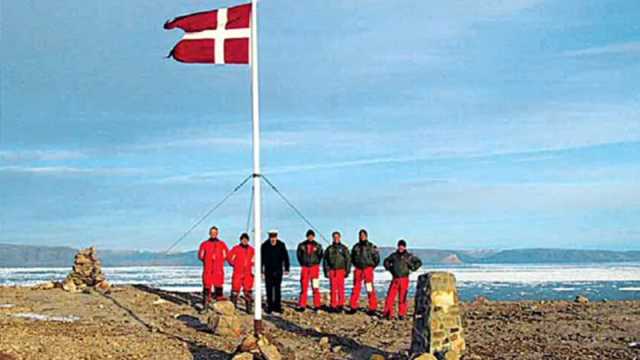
(234,298)
(206,293)
(248,300)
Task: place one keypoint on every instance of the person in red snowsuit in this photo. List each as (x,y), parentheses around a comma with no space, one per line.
(309,255)
(365,258)
(212,253)
(400,264)
(241,259)
(336,266)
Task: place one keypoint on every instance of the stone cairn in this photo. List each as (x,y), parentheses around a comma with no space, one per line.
(86,273)
(223,320)
(437,324)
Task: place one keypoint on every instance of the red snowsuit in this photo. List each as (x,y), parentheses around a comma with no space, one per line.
(399,287)
(365,258)
(336,281)
(337,265)
(309,255)
(241,259)
(213,253)
(359,276)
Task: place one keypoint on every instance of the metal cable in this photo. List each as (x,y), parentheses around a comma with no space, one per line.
(250,210)
(209,212)
(295,209)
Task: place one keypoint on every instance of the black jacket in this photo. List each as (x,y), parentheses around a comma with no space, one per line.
(275,258)
(402,264)
(336,257)
(309,253)
(364,254)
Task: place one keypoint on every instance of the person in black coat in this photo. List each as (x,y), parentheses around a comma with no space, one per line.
(275,264)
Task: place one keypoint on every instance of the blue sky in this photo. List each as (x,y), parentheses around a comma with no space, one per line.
(456,124)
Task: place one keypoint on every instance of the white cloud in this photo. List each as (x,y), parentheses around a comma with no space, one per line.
(68,170)
(40,155)
(628,48)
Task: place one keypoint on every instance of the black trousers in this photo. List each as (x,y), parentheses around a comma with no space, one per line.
(273,283)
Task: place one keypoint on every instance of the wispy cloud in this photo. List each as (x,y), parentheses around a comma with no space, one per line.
(67,170)
(40,155)
(178,141)
(627,48)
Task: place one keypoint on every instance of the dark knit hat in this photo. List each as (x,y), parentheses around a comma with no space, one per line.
(401,242)
(311,233)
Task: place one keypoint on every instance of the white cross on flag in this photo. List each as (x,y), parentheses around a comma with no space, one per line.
(214,37)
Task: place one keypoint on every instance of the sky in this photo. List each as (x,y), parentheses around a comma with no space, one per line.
(453,124)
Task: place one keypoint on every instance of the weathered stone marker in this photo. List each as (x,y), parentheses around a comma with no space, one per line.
(437,324)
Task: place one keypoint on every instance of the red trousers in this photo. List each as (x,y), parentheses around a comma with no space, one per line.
(399,287)
(242,280)
(366,275)
(310,275)
(336,280)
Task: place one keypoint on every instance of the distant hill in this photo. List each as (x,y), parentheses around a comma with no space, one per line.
(562,256)
(30,256)
(43,256)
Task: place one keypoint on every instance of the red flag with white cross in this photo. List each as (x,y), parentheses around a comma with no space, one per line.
(214,37)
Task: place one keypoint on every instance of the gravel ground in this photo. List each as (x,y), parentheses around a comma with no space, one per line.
(136,322)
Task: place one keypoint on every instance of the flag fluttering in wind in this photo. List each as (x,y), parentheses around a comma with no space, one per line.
(214,37)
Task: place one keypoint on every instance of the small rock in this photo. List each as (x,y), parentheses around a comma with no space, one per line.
(159,302)
(480,300)
(224,308)
(69,286)
(268,351)
(376,357)
(426,356)
(452,355)
(324,342)
(243,356)
(103,285)
(249,343)
(635,345)
(336,349)
(45,286)
(581,299)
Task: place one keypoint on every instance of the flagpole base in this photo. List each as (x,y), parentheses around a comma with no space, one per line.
(257,327)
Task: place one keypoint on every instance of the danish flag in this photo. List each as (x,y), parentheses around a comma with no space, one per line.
(214,37)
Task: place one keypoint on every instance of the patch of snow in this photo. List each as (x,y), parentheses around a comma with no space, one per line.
(41,317)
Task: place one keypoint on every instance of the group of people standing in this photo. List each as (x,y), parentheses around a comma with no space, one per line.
(336,261)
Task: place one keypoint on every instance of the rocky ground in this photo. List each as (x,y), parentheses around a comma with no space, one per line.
(136,322)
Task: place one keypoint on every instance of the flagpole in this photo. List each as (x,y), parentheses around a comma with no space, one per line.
(257,198)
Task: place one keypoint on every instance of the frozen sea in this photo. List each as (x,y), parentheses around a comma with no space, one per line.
(497,282)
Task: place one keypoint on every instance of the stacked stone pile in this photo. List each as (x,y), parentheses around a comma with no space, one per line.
(437,322)
(86,272)
(223,320)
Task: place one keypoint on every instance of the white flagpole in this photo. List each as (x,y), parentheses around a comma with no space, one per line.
(257,198)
